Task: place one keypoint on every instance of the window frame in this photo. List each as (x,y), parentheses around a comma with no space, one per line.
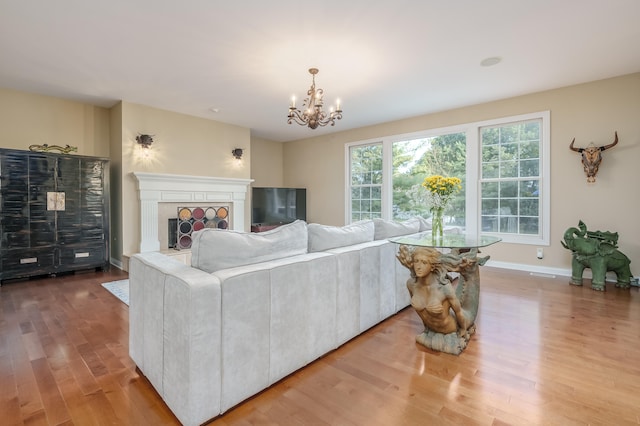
(473,217)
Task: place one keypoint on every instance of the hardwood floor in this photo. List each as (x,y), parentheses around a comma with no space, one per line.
(545,353)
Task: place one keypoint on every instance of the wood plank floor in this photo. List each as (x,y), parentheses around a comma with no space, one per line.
(545,353)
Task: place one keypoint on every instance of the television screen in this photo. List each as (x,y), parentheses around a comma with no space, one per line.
(278,205)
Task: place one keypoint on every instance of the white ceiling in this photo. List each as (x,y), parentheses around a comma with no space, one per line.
(385,60)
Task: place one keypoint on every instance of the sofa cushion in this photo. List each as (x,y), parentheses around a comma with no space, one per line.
(388,228)
(325,237)
(216,249)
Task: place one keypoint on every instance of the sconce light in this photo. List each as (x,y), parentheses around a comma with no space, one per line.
(237,153)
(145,140)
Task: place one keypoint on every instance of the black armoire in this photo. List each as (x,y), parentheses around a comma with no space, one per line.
(54,213)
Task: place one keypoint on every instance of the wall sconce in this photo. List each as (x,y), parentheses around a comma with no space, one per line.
(237,153)
(145,141)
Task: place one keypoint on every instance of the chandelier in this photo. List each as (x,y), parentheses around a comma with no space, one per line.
(313,115)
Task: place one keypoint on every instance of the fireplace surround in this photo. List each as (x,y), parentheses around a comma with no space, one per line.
(155,189)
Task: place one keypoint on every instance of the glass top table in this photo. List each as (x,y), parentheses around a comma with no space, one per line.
(448,310)
(452,241)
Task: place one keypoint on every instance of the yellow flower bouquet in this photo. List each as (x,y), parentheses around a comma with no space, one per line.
(440,191)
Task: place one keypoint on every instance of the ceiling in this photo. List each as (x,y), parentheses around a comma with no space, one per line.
(385,60)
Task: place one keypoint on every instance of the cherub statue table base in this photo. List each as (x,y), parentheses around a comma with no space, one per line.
(448,311)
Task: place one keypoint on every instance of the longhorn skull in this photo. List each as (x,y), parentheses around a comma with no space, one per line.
(592,157)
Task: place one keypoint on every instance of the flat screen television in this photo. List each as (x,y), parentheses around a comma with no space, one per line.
(278,205)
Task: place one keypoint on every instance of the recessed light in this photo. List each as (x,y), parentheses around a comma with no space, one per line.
(488,62)
(212,109)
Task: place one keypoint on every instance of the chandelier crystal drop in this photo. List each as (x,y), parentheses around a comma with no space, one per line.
(313,114)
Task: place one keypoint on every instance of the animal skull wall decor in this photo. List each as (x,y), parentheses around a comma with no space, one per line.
(592,157)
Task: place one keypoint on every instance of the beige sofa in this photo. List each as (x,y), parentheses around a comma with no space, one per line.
(253,308)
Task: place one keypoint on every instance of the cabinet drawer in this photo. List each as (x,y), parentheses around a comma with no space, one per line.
(85,255)
(23,263)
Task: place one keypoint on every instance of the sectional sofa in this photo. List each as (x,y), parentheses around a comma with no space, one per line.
(254,307)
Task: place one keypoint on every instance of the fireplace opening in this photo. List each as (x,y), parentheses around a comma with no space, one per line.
(193,218)
(173,233)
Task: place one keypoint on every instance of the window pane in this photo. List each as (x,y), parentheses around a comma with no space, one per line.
(489,207)
(509,225)
(529,188)
(376,208)
(489,189)
(530,149)
(490,153)
(490,170)
(490,135)
(529,207)
(529,168)
(508,189)
(508,134)
(376,193)
(489,223)
(366,193)
(509,206)
(508,169)
(529,225)
(508,151)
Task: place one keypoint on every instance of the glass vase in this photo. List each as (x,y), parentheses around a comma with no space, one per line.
(437,228)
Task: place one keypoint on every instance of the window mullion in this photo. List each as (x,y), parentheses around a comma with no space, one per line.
(472,194)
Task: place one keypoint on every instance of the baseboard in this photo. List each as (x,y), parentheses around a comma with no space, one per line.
(551,272)
(116,263)
(530,268)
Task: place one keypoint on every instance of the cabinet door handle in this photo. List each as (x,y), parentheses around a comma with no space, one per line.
(85,254)
(28,260)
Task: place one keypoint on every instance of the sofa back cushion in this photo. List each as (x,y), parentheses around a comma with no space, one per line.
(216,249)
(325,237)
(388,228)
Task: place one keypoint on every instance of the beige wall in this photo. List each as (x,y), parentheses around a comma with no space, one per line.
(267,167)
(589,112)
(183,145)
(115,148)
(27,119)
(193,146)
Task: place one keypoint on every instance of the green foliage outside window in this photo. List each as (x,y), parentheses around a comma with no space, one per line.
(413,160)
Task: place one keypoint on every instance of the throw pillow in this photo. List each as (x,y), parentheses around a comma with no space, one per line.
(216,249)
(388,228)
(325,237)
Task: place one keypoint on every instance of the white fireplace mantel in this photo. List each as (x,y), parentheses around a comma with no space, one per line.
(155,188)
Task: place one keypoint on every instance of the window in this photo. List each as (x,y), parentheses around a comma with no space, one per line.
(503,164)
(510,178)
(366,182)
(413,160)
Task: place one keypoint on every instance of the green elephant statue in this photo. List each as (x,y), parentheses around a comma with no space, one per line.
(597,250)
